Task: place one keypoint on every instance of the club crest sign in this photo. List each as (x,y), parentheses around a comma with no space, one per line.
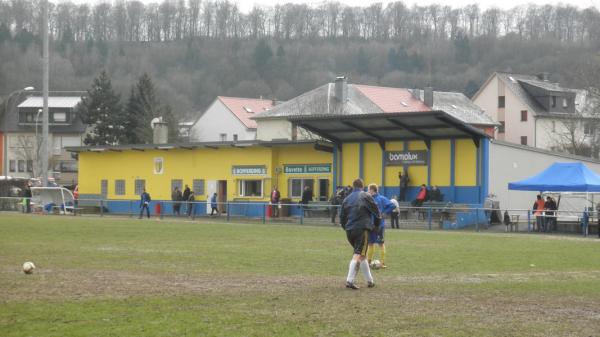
(398,158)
(159,166)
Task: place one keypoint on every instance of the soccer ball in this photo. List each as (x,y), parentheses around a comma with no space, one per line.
(375,264)
(28,267)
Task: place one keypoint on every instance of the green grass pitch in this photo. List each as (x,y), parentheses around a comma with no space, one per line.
(129,277)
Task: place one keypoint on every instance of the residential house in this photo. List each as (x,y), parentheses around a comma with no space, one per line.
(533,111)
(23,133)
(342,98)
(229,119)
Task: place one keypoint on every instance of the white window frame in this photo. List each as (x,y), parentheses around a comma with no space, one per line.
(242,188)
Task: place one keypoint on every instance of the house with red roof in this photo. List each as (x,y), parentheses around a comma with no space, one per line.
(343,99)
(229,119)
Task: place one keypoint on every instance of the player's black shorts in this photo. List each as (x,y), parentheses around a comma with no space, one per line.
(358,239)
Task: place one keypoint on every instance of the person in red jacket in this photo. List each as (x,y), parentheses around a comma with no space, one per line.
(421,196)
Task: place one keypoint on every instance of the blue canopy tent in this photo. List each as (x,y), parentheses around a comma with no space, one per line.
(562,177)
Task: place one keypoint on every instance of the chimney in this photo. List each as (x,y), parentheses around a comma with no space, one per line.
(543,76)
(160,131)
(428,96)
(341,89)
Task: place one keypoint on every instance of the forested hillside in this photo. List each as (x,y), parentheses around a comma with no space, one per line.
(196,49)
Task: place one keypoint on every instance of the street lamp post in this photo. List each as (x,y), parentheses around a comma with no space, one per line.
(8,109)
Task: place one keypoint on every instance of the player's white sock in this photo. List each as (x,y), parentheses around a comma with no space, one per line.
(364,266)
(352,271)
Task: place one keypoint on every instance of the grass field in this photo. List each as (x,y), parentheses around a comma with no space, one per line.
(122,277)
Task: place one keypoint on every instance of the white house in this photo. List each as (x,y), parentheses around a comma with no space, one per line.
(22,137)
(229,119)
(536,112)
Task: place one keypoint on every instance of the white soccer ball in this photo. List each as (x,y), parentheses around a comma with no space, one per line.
(375,264)
(28,267)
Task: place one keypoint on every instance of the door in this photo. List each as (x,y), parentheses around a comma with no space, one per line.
(323,189)
(222,195)
(211,188)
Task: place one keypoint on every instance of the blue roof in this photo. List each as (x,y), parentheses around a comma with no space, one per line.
(561,177)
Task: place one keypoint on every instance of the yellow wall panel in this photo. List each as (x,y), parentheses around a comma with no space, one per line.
(466,163)
(372,163)
(391,172)
(417,173)
(440,162)
(350,163)
(305,154)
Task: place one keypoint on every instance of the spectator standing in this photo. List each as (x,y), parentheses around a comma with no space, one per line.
(358,217)
(538,208)
(335,202)
(28,198)
(186,196)
(275,198)
(190,201)
(551,208)
(176,197)
(213,204)
(307,196)
(395,213)
(403,185)
(145,203)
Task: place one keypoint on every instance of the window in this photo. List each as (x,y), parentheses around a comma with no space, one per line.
(30,166)
(59,117)
(502,127)
(223,137)
(140,185)
(198,186)
(501,101)
(251,188)
(235,137)
(553,104)
(565,103)
(296,186)
(12,165)
(588,129)
(103,188)
(68,166)
(523,140)
(523,115)
(21,164)
(177,183)
(119,187)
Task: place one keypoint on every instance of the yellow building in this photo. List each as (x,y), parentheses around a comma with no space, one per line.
(449,155)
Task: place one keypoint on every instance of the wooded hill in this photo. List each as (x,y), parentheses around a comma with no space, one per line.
(195,50)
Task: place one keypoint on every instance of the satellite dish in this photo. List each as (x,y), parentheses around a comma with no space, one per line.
(154,121)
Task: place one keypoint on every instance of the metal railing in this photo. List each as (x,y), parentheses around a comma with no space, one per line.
(444,216)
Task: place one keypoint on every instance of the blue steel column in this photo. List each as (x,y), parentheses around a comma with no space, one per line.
(453,170)
(485,168)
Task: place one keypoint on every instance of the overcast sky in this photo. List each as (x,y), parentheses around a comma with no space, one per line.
(246,5)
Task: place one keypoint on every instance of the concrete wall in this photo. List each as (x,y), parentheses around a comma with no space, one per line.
(218,119)
(509,163)
(279,129)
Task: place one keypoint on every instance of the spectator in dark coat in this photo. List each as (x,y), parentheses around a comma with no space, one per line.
(186,196)
(275,198)
(190,200)
(550,217)
(176,198)
(403,185)
(214,204)
(145,203)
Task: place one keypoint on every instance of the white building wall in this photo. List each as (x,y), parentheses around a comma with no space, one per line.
(218,119)
(515,128)
(487,98)
(269,129)
(510,163)
(553,132)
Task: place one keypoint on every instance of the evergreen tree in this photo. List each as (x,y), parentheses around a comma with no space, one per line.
(142,107)
(101,109)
